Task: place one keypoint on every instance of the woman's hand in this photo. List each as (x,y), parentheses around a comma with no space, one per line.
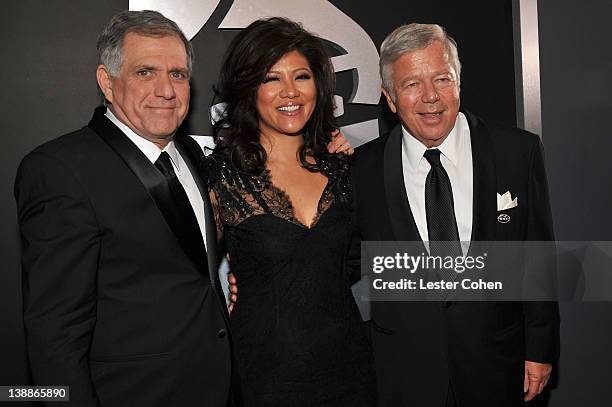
(233,291)
(339,144)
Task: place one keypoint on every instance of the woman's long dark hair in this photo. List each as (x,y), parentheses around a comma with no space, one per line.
(247,60)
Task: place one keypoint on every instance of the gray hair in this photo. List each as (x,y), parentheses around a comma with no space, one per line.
(409,38)
(147,23)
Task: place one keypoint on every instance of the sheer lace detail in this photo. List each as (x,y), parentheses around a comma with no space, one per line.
(238,196)
(297,334)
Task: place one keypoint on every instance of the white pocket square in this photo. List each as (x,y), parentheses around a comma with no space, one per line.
(505,201)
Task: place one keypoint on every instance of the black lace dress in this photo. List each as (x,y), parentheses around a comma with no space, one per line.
(297,333)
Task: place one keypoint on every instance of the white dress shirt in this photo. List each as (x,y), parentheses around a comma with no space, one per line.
(152,152)
(456,158)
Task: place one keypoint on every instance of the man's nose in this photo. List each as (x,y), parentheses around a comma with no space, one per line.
(430,94)
(164,87)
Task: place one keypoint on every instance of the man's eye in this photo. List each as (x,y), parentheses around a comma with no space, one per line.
(178,75)
(143,72)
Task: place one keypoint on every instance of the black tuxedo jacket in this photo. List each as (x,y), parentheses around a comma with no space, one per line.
(117,304)
(477,347)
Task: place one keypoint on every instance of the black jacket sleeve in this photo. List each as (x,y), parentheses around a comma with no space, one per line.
(541,317)
(60,241)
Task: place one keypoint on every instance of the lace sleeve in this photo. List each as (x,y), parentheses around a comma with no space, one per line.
(337,169)
(215,209)
(233,193)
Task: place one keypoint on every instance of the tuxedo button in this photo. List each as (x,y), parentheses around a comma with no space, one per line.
(221,333)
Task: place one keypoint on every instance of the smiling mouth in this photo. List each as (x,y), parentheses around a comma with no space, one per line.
(289,108)
(434,118)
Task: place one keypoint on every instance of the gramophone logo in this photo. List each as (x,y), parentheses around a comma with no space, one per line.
(358,53)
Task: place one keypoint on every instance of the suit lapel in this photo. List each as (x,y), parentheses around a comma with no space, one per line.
(484,199)
(193,156)
(151,179)
(402,221)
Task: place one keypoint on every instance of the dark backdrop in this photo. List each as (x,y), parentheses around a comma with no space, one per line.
(50,89)
(576,64)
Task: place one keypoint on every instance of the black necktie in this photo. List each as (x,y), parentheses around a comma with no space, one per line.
(187,229)
(439,209)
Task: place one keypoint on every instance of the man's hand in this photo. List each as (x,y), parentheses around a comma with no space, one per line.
(233,291)
(536,378)
(339,144)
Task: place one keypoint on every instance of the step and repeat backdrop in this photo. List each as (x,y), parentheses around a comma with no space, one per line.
(353,32)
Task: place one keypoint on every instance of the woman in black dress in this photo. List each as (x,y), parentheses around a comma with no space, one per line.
(282,205)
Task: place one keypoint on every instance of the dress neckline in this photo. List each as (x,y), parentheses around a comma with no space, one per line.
(288,203)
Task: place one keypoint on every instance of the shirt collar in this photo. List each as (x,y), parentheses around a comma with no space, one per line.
(450,147)
(148,148)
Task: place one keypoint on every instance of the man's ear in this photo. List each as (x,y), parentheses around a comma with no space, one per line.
(390,101)
(105,82)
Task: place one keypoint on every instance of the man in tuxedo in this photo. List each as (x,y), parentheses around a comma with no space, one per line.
(435,177)
(119,254)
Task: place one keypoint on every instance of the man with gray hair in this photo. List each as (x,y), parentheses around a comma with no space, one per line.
(119,253)
(435,177)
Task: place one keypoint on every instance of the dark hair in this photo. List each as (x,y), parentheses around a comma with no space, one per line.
(249,57)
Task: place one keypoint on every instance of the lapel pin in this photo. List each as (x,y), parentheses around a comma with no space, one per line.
(503,218)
